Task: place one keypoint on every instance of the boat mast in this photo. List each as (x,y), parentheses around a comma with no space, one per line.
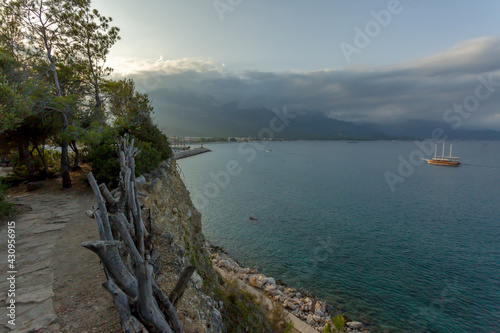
(436,150)
(451,147)
(443,150)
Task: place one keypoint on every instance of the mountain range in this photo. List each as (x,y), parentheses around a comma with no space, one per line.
(227,120)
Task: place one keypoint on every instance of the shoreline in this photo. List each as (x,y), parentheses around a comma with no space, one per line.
(306,311)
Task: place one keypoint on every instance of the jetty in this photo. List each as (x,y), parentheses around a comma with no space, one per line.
(189,152)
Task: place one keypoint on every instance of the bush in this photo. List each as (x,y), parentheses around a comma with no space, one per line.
(148,132)
(243,312)
(5,207)
(104,158)
(20,172)
(105,165)
(339,322)
(148,158)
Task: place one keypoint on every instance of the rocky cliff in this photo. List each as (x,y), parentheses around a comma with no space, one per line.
(179,242)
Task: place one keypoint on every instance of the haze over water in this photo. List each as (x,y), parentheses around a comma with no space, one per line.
(424,258)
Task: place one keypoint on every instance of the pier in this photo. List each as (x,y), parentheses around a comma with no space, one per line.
(190,152)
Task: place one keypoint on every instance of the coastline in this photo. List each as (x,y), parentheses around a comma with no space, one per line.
(307,312)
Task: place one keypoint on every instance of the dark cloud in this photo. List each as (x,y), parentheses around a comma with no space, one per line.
(422,89)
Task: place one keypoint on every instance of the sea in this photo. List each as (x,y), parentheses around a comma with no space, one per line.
(382,236)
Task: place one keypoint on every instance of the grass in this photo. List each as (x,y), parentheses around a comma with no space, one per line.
(243,312)
(6,208)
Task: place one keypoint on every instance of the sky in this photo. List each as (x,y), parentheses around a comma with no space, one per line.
(364,61)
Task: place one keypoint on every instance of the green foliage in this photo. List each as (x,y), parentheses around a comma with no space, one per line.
(20,170)
(53,88)
(339,322)
(289,328)
(52,158)
(5,207)
(15,97)
(243,312)
(148,158)
(148,132)
(103,156)
(105,166)
(327,328)
(129,107)
(279,321)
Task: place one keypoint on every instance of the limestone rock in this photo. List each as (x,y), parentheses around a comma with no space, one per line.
(255,282)
(268,280)
(307,307)
(197,280)
(355,325)
(245,270)
(319,313)
(89,213)
(321,306)
(270,287)
(224,264)
(290,305)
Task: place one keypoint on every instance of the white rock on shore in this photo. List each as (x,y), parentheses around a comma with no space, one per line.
(355,325)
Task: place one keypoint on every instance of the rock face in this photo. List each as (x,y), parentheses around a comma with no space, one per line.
(176,225)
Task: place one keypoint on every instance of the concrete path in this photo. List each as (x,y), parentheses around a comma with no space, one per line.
(37,232)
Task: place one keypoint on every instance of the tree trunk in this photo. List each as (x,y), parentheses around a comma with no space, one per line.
(25,156)
(66,178)
(41,153)
(98,111)
(76,162)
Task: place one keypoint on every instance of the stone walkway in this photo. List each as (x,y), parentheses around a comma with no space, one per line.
(37,235)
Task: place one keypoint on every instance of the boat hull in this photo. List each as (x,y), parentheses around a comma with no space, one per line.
(450,164)
(444,163)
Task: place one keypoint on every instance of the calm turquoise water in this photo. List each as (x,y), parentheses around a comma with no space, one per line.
(422,258)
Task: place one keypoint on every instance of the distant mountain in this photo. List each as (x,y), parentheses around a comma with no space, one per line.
(419,129)
(314,125)
(190,114)
(249,123)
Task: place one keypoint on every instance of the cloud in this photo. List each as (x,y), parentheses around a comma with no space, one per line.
(421,89)
(124,66)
